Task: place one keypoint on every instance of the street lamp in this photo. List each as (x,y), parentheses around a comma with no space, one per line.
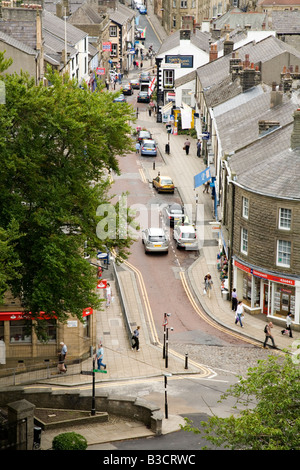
(165,325)
(166,393)
(167,345)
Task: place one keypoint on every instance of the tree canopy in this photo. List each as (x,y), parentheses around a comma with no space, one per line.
(270,418)
(57,146)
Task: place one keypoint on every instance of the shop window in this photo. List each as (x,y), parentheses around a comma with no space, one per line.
(87,326)
(20,331)
(244,241)
(285,219)
(245,207)
(247,288)
(49,330)
(284,300)
(283,253)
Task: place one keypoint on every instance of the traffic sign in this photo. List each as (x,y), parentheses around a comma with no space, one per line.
(102,284)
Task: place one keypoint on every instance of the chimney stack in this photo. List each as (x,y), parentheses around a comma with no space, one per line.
(213,53)
(276,96)
(295,138)
(235,65)
(228,45)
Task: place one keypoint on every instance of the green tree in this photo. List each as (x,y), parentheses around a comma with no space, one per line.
(270,416)
(57,146)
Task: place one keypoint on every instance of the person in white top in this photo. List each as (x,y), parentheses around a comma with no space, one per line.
(239,313)
(108,295)
(288,325)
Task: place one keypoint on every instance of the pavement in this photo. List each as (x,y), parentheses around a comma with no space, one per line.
(125,366)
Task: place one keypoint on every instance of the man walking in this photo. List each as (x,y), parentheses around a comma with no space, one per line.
(186,146)
(135,338)
(99,357)
(268,333)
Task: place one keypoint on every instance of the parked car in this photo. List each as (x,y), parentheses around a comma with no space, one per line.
(120,99)
(143,10)
(143,97)
(135,83)
(145,77)
(155,239)
(173,214)
(148,147)
(185,237)
(127,89)
(144,134)
(164,184)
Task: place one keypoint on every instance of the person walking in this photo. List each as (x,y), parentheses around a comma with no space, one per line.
(108,295)
(62,357)
(288,325)
(199,148)
(239,313)
(234,300)
(99,357)
(137,147)
(208,283)
(206,187)
(268,334)
(186,146)
(136,340)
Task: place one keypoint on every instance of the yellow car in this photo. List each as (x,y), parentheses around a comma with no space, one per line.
(164,184)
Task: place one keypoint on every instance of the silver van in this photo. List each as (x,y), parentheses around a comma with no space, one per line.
(185,237)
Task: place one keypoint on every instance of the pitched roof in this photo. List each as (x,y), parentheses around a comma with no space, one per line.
(56,26)
(238,19)
(198,39)
(17,44)
(286,22)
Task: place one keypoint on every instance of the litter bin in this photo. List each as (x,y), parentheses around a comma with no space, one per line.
(167,149)
(225,294)
(37,437)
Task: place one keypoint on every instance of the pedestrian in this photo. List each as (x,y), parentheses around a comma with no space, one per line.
(234,300)
(239,313)
(268,334)
(141,64)
(288,325)
(108,295)
(137,147)
(199,148)
(206,187)
(134,64)
(135,339)
(137,64)
(99,357)
(208,283)
(62,357)
(107,84)
(149,109)
(186,146)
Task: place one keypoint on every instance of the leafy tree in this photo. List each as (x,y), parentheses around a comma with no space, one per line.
(57,146)
(270,419)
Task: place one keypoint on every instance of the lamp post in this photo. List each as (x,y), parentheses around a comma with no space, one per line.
(166,315)
(167,346)
(166,393)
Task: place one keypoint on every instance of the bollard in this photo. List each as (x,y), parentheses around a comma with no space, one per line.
(186,361)
(153,165)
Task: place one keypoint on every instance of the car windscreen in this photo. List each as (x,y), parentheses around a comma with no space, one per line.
(188,235)
(166,181)
(149,146)
(176,211)
(157,238)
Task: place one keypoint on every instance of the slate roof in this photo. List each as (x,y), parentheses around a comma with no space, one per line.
(56,26)
(269,166)
(23,31)
(237,119)
(17,44)
(286,22)
(215,72)
(237,19)
(185,78)
(198,39)
(288,3)
(122,14)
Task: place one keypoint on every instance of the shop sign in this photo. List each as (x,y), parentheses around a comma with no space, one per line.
(268,277)
(102,284)
(100,71)
(106,46)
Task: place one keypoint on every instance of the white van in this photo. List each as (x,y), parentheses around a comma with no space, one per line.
(185,237)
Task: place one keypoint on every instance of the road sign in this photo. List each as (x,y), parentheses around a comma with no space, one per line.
(102,284)
(103,371)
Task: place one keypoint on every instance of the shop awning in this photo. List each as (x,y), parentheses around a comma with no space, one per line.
(9,316)
(167,108)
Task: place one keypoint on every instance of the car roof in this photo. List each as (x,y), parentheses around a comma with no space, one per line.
(156,231)
(186,228)
(144,130)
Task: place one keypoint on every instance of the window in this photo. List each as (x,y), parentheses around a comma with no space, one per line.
(114,50)
(285,219)
(20,331)
(113,31)
(174,21)
(244,241)
(174,3)
(86,326)
(183,4)
(49,331)
(168,78)
(245,207)
(283,253)
(186,96)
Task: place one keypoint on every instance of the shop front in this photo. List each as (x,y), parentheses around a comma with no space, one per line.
(264,292)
